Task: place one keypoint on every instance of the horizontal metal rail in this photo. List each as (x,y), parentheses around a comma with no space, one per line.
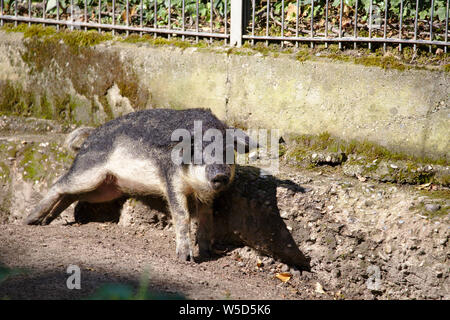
(114,27)
(346,39)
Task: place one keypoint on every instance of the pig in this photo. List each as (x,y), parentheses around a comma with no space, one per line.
(136,155)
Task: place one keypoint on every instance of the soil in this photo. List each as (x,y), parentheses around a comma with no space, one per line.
(365,240)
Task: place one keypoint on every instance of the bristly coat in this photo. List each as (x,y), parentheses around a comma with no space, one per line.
(131,155)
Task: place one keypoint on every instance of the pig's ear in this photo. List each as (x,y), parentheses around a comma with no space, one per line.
(241,141)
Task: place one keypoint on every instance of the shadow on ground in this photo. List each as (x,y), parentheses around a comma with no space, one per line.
(246,214)
(29,284)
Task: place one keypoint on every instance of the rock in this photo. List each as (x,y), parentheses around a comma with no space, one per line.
(368,203)
(284,268)
(432,207)
(335,273)
(388,249)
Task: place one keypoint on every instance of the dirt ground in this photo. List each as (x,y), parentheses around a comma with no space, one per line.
(345,255)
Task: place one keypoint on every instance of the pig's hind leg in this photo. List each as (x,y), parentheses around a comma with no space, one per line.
(62,194)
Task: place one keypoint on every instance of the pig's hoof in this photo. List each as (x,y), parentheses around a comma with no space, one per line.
(30,220)
(185,254)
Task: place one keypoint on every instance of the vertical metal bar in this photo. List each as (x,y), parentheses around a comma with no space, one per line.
(355,29)
(226,19)
(169,16)
(446,27)
(113,16)
(341,6)
(400,25)
(29,11)
(71,14)
(253,21)
(99,14)
(431,21)
(43,10)
(155,15)
(127,15)
(141,16)
(211,19)
(385,23)
(183,25)
(15,12)
(1,12)
(196,21)
(57,14)
(312,22)
(282,22)
(370,24)
(85,14)
(267,21)
(296,21)
(326,23)
(236,23)
(415,23)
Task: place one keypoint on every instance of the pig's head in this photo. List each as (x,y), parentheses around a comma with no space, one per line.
(210,167)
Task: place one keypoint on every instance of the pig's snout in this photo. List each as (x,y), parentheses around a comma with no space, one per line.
(220,181)
(219,175)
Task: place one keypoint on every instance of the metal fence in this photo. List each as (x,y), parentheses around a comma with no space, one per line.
(288,22)
(158,17)
(415,22)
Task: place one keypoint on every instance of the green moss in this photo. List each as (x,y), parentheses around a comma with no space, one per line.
(32,163)
(303,55)
(106,108)
(384,62)
(366,154)
(392,59)
(442,212)
(67,51)
(160,41)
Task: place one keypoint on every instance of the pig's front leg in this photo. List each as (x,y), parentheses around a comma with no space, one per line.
(180,216)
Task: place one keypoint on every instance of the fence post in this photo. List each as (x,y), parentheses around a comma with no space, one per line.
(236,23)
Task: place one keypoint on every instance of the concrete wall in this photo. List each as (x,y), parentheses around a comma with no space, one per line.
(404,110)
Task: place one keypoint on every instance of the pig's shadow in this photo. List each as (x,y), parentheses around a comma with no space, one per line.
(246,214)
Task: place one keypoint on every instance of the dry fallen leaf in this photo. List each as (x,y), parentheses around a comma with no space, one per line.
(284,276)
(361,178)
(259,263)
(319,288)
(291,12)
(423,186)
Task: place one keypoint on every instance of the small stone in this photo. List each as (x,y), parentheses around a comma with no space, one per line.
(388,249)
(335,273)
(432,207)
(368,203)
(285,268)
(360,256)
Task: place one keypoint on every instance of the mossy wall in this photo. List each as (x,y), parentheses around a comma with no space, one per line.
(62,76)
(80,78)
